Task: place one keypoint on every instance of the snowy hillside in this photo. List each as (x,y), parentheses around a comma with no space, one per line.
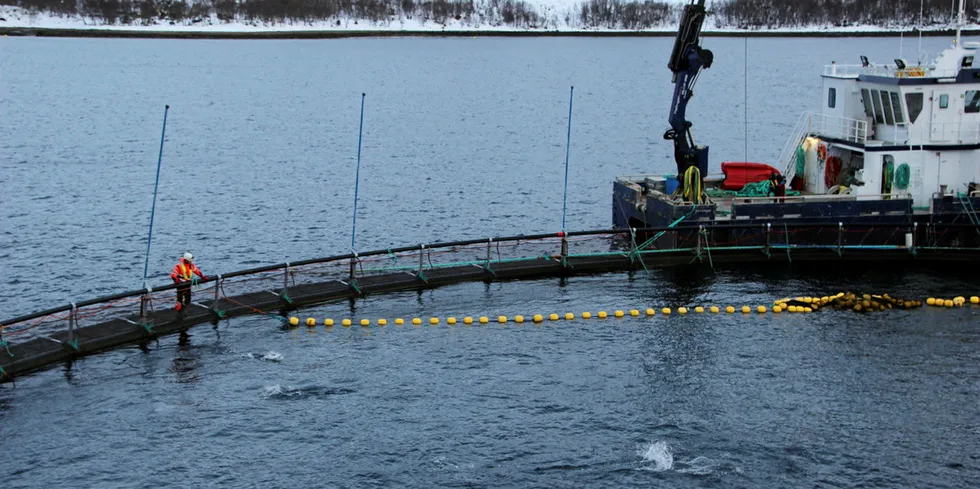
(472,15)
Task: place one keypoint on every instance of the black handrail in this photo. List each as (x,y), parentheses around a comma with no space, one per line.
(448,244)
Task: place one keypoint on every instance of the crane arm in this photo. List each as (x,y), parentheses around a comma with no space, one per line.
(687,60)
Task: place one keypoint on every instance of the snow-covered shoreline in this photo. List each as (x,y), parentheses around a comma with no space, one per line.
(20,21)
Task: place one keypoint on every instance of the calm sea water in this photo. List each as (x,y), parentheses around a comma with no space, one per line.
(463,138)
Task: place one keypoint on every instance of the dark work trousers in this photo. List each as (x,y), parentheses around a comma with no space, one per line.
(184,294)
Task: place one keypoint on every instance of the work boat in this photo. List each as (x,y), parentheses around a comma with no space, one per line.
(894,145)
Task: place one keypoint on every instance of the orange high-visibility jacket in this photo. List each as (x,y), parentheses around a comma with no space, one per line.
(183,271)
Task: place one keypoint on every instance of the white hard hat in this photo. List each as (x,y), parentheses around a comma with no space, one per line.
(188,256)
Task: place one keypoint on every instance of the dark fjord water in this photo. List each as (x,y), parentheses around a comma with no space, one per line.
(463,138)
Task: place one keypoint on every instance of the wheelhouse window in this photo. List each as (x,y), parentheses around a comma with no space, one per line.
(832,98)
(972,102)
(914,102)
(886,107)
(897,107)
(866,99)
(967,62)
(943,101)
(880,119)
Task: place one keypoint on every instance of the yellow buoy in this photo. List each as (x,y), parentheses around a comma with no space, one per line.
(328,322)
(665,311)
(777,309)
(931,301)
(553,317)
(948,303)
(746,309)
(714,309)
(468,320)
(651,311)
(730,309)
(793,308)
(569,316)
(760,309)
(310,322)
(634,312)
(450,320)
(501,319)
(586,315)
(699,309)
(345,323)
(807,309)
(433,320)
(294,321)
(382,322)
(518,319)
(484,320)
(365,322)
(618,314)
(538,318)
(681,310)
(602,315)
(974,300)
(416,321)
(399,321)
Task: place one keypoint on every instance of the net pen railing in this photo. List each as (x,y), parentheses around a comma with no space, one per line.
(698,240)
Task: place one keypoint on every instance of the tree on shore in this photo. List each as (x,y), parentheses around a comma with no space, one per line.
(592,14)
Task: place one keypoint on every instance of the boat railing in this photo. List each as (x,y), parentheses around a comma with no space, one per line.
(812,123)
(955,132)
(787,156)
(886,70)
(808,198)
(844,128)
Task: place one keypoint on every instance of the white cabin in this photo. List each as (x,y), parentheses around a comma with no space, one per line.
(893,130)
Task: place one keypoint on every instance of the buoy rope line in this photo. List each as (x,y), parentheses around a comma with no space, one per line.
(845,301)
(253,309)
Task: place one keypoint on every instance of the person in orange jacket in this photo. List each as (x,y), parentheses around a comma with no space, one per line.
(182,275)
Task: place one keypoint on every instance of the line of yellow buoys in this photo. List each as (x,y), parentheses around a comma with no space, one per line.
(839,301)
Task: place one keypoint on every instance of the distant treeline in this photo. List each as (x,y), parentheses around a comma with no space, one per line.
(605,14)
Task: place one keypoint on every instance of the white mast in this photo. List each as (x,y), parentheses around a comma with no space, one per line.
(959,23)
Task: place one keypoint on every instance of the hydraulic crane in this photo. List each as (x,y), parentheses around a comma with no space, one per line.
(686,62)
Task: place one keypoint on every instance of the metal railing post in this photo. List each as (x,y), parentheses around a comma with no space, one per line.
(217,296)
(564,250)
(840,237)
(915,234)
(489,245)
(285,284)
(217,285)
(700,228)
(353,268)
(72,320)
(768,233)
(421,258)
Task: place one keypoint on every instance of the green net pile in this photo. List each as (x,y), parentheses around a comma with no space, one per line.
(754,189)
